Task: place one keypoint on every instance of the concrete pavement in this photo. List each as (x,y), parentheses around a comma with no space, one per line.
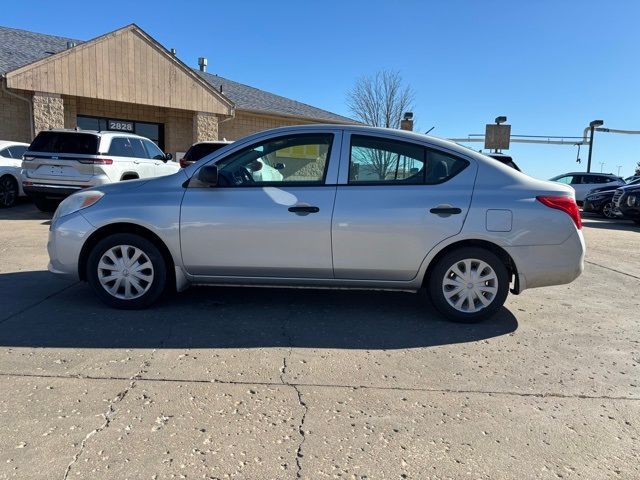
(276,383)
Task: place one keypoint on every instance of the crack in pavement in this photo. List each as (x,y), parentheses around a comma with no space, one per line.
(301,403)
(578,396)
(29,307)
(108,416)
(612,269)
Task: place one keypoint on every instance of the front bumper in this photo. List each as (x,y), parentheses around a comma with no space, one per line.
(66,238)
(545,265)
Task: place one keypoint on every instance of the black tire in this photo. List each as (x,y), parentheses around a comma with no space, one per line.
(607,212)
(9,191)
(45,205)
(441,268)
(159,272)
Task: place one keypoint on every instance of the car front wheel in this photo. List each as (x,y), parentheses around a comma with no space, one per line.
(127,271)
(468,284)
(608,210)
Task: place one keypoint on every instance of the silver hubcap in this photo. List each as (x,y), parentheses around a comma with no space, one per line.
(607,210)
(470,285)
(125,272)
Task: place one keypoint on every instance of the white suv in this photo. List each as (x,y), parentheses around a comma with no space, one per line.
(61,162)
(583,182)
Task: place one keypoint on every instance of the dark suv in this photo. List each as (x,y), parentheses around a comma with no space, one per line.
(200,150)
(627,200)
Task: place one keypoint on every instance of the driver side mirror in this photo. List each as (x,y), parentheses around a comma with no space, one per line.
(168,156)
(208,175)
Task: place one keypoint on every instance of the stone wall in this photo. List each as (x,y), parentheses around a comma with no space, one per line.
(48,111)
(205,127)
(14,119)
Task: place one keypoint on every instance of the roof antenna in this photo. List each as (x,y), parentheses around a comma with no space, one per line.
(220,88)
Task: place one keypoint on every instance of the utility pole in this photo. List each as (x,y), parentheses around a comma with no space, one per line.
(592,126)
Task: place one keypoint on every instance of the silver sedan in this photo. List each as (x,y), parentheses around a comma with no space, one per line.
(351,207)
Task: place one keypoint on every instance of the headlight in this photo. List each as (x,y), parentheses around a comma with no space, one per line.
(595,197)
(632,200)
(76,202)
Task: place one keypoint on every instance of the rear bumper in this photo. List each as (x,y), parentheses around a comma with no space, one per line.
(545,265)
(49,190)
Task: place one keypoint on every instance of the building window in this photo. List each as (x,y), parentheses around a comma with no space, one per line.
(152,131)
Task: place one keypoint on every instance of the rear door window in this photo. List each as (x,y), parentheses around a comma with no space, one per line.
(65,142)
(381,160)
(121,147)
(5,153)
(138,148)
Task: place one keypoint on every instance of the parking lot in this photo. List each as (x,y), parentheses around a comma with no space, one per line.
(277,383)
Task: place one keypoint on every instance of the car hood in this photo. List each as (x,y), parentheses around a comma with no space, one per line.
(629,188)
(128,185)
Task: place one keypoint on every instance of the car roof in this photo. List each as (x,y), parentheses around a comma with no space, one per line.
(214,142)
(9,143)
(588,173)
(100,133)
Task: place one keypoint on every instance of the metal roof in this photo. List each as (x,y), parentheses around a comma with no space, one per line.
(21,47)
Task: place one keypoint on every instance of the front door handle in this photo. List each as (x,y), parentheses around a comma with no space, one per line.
(445,210)
(303,209)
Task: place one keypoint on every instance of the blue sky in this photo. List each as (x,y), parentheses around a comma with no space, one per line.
(550,66)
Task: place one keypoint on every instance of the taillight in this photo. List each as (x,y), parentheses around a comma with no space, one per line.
(183,162)
(96,161)
(566,204)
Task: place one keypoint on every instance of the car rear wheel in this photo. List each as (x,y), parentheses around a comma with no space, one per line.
(469,284)
(45,205)
(127,271)
(608,210)
(9,191)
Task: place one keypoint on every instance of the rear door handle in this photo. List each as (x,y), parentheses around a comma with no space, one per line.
(445,210)
(303,209)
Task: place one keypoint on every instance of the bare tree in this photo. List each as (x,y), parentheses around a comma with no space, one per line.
(637,172)
(380,100)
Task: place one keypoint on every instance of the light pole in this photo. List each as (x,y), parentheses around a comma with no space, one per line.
(602,164)
(619,166)
(592,126)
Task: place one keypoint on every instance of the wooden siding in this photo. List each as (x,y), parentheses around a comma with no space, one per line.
(125,66)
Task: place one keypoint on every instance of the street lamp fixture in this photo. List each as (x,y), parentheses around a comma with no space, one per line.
(501,119)
(592,126)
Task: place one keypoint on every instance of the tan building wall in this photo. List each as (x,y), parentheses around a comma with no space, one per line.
(246,123)
(178,124)
(48,111)
(14,119)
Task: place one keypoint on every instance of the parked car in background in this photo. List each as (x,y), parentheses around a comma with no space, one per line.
(200,150)
(506,159)
(632,178)
(583,182)
(627,200)
(600,200)
(10,166)
(437,218)
(61,162)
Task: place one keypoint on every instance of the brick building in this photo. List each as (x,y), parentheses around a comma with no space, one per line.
(125,80)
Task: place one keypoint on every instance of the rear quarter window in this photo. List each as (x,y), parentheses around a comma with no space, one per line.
(65,142)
